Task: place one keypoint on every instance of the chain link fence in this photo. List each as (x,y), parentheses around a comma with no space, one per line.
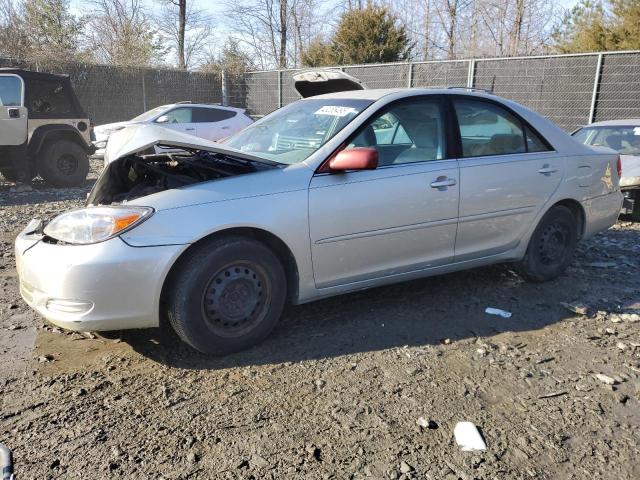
(111,94)
(571,90)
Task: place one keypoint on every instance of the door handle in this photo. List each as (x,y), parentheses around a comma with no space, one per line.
(13,113)
(225,128)
(189,129)
(443,183)
(547,170)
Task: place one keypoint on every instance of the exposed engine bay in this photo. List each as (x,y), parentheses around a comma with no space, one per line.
(139,175)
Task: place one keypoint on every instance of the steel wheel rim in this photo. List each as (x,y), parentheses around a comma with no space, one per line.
(553,243)
(236,298)
(67,164)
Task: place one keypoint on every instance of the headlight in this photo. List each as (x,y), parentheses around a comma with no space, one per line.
(95,224)
(629,181)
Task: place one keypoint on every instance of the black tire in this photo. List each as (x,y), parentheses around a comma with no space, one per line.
(635,213)
(552,246)
(63,163)
(226,295)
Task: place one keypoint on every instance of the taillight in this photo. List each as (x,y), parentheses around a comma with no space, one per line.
(619,166)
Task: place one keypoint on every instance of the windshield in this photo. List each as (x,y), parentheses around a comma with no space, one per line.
(294,132)
(146,116)
(623,139)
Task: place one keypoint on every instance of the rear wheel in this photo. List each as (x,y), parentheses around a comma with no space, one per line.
(226,295)
(552,245)
(63,163)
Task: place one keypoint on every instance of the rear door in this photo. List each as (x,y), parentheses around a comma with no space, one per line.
(398,218)
(214,123)
(13,115)
(507,174)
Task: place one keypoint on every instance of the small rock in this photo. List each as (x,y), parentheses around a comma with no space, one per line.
(320,383)
(621,346)
(405,467)
(424,423)
(259,462)
(630,317)
(193,457)
(578,308)
(45,358)
(605,379)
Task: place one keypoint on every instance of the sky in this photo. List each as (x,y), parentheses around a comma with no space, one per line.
(216,9)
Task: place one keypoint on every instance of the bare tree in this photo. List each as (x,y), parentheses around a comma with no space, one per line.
(14,40)
(276,32)
(186,32)
(516,27)
(120,32)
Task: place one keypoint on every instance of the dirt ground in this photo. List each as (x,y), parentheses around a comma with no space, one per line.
(342,387)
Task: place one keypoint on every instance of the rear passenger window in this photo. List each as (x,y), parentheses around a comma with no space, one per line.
(209,115)
(534,142)
(488,129)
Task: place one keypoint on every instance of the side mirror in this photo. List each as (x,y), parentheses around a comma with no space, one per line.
(162,119)
(360,158)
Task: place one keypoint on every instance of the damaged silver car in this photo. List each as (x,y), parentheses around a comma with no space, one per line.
(330,194)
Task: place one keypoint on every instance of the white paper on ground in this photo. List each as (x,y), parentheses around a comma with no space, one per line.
(468,437)
(497,311)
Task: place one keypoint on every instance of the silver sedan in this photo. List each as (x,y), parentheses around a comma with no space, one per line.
(328,195)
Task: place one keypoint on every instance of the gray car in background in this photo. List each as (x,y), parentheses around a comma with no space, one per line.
(331,194)
(623,136)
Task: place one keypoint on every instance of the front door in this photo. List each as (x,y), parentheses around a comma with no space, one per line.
(180,119)
(507,174)
(13,116)
(396,219)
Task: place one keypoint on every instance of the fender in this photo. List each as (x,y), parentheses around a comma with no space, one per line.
(45,133)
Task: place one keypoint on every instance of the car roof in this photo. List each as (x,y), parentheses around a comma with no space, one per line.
(203,105)
(612,123)
(33,75)
(377,93)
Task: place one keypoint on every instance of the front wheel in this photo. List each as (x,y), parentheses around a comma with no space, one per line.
(552,245)
(226,295)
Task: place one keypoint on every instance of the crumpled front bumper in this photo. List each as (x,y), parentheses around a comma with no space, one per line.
(104,286)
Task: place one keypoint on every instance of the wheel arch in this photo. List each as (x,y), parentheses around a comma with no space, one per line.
(270,240)
(47,133)
(577,210)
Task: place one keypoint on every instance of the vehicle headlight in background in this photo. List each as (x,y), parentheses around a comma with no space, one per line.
(95,224)
(629,181)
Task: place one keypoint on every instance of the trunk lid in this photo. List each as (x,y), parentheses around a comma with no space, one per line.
(318,82)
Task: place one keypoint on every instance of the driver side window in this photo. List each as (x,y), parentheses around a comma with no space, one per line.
(406,133)
(179,115)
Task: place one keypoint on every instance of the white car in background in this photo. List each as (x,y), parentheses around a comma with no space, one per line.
(623,136)
(209,121)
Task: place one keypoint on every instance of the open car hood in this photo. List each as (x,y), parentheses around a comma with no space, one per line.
(317,82)
(141,137)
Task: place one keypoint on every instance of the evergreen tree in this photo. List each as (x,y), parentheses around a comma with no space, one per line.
(369,35)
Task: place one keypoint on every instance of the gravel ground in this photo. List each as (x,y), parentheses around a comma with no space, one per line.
(365,385)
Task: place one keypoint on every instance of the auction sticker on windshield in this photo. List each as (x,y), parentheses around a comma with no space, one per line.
(335,110)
